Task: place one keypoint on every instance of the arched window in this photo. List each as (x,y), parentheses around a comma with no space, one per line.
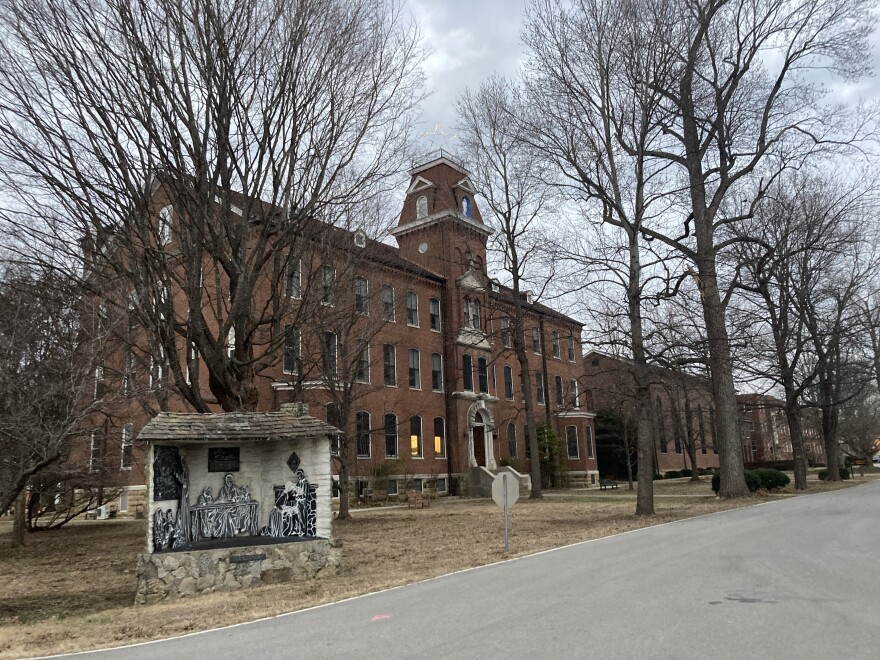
(415,436)
(466,206)
(361,295)
(390,434)
(439,437)
(362,433)
(421,207)
(511,439)
(467,312)
(475,313)
(483,375)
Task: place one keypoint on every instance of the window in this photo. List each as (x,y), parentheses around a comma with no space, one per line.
(417,484)
(467,312)
(573,393)
(192,364)
(571,439)
(390,434)
(466,206)
(508,383)
(362,373)
(661,427)
(293,278)
(415,436)
(127,438)
(96,450)
(511,439)
(165,219)
(230,342)
(702,429)
(560,394)
(539,387)
(334,420)
(412,309)
(328,354)
(421,207)
(99,381)
(361,296)
(387,303)
(505,333)
(536,341)
(467,373)
(434,310)
(362,433)
(157,369)
(571,349)
(439,437)
(128,378)
(389,365)
(677,441)
(590,442)
(441,484)
(483,375)
(556,350)
(291,349)
(436,372)
(475,314)
(392,487)
(415,374)
(328,285)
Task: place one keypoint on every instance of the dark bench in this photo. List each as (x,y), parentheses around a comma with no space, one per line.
(607,483)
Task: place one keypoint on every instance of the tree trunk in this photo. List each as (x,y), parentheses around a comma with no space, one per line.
(728,442)
(795,428)
(19,523)
(644,427)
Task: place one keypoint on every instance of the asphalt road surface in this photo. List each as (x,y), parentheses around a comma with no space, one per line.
(798,578)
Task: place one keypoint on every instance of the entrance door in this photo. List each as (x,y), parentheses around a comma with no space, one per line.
(480,445)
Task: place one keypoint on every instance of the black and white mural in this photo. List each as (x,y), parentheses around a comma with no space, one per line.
(232,512)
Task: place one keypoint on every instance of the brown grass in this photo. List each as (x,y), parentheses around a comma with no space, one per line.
(73,589)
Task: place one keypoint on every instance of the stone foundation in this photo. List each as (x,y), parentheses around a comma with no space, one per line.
(178,574)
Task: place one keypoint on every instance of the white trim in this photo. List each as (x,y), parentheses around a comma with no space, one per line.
(420,183)
(440,215)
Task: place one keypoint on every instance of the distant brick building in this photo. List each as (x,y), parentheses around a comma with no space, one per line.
(766,435)
(428,332)
(682,410)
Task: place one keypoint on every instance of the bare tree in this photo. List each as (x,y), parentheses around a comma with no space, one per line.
(193,145)
(594,119)
(514,185)
(48,387)
(806,231)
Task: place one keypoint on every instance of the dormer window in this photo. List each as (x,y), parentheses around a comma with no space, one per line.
(360,238)
(421,207)
(466,206)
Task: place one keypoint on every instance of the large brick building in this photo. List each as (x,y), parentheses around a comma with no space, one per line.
(422,332)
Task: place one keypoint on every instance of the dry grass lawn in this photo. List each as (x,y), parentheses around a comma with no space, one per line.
(73,589)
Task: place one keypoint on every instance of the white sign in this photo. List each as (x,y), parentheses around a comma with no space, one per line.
(505,481)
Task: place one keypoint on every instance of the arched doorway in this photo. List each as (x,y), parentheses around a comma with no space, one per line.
(481,437)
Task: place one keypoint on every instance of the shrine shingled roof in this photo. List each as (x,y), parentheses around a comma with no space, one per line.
(289,422)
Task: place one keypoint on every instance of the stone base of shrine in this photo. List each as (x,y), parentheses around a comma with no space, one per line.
(165,575)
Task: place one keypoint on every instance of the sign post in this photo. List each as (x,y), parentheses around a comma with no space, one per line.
(505,492)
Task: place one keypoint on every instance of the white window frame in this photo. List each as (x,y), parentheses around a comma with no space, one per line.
(365,311)
(412,310)
(432,316)
(417,370)
(291,331)
(359,431)
(577,444)
(127,446)
(293,279)
(385,364)
(386,316)
(433,371)
(364,352)
(95,449)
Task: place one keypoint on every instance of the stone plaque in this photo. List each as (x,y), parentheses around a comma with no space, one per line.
(223,459)
(166,463)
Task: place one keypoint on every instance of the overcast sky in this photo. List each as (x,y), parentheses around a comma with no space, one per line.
(471,39)
(468,41)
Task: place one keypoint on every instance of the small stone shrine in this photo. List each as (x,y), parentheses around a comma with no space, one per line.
(236,500)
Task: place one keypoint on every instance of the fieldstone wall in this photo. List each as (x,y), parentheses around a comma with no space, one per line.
(178,574)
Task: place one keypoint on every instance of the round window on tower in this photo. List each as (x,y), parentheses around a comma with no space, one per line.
(423,247)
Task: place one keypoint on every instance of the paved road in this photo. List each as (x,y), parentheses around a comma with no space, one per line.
(793,579)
